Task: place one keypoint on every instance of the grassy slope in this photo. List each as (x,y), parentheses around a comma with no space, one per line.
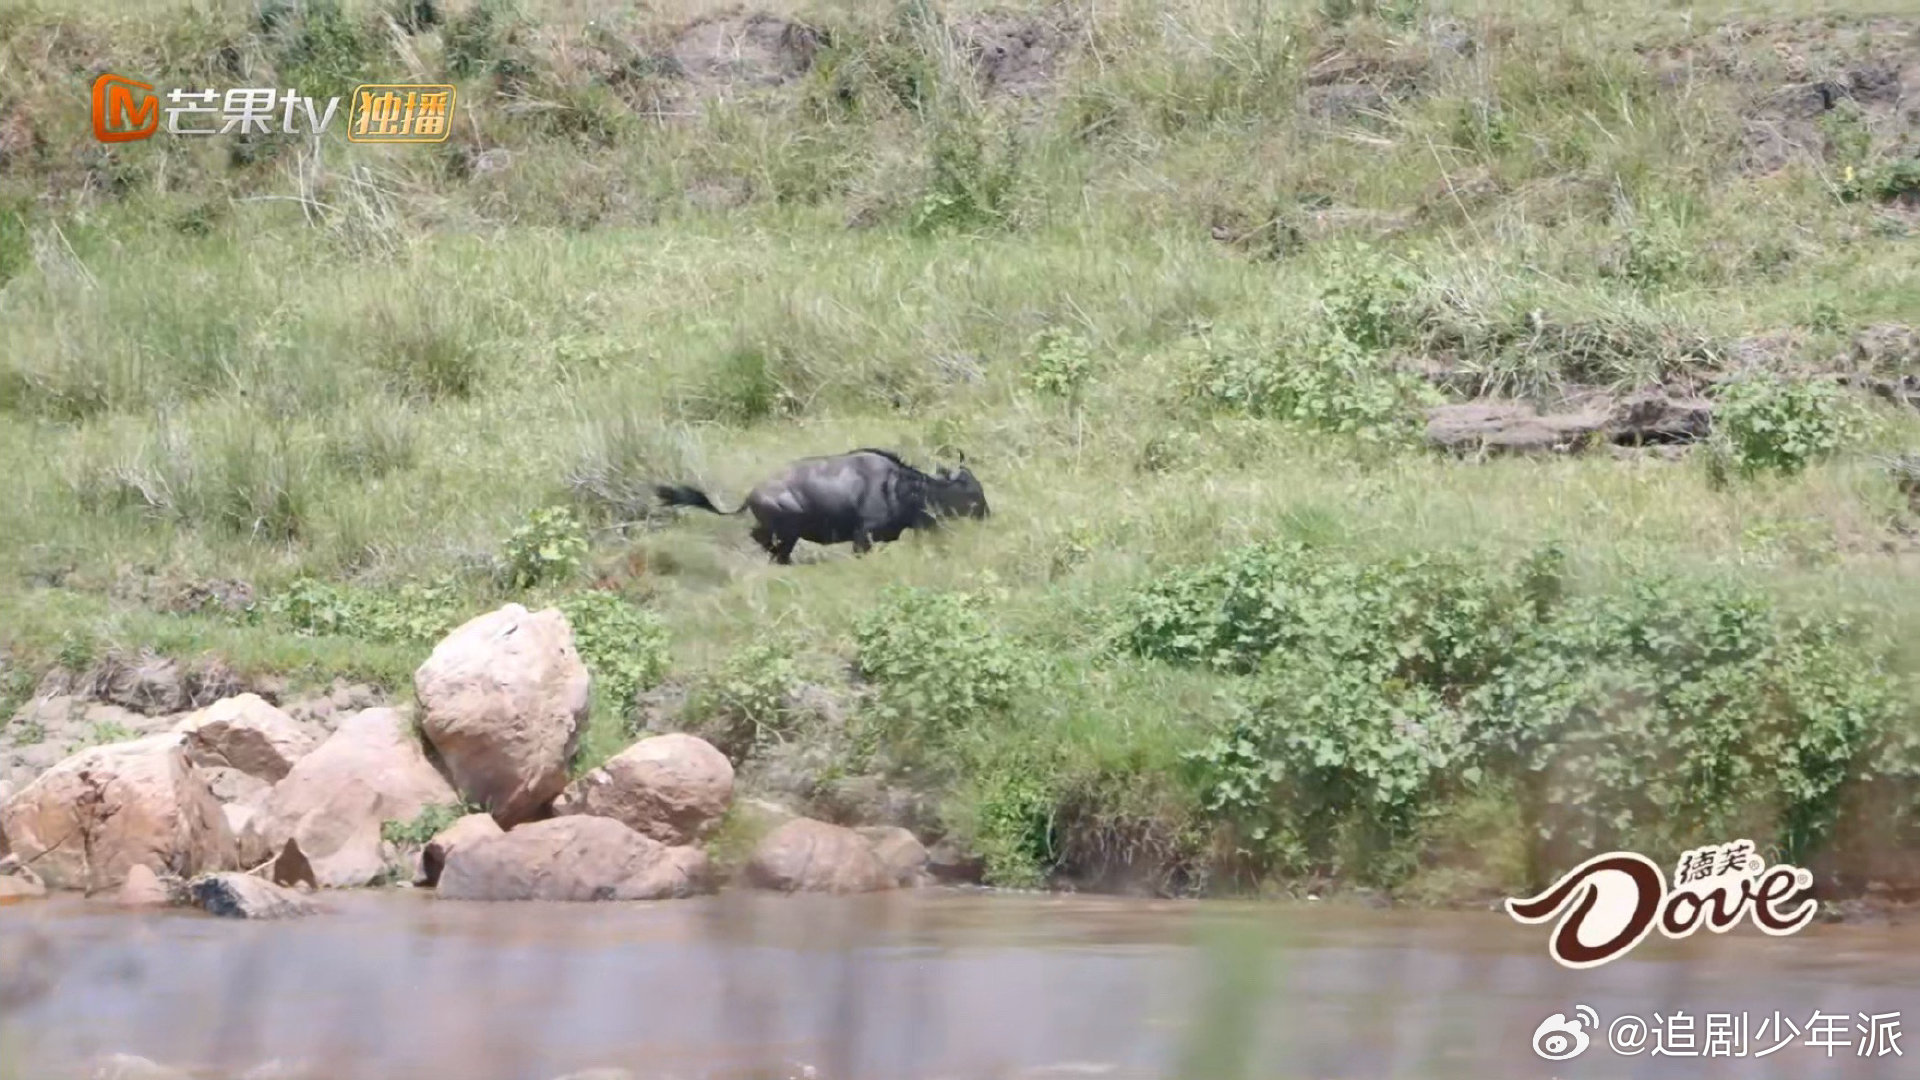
(203,381)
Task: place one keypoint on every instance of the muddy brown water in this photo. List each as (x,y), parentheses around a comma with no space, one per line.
(895,987)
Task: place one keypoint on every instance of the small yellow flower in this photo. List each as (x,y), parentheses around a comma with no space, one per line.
(1849,174)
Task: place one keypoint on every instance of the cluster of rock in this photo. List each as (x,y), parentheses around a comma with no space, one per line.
(239,806)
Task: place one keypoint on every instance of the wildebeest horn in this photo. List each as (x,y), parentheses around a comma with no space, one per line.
(963,458)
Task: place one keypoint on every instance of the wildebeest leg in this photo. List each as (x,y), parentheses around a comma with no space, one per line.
(783,551)
(763,536)
(862,542)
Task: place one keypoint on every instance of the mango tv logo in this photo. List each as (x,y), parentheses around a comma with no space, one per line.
(123,110)
(126,109)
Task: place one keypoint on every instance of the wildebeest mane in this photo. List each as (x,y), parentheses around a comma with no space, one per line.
(888,454)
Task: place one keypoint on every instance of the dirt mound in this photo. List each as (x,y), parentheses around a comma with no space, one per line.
(1017,55)
(743,50)
(1358,76)
(1653,416)
(1819,83)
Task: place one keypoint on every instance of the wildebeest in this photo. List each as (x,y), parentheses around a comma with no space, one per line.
(862,496)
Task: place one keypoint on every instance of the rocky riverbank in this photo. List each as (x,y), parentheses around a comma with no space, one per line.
(241,807)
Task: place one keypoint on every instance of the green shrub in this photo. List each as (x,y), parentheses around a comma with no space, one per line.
(414,613)
(623,645)
(1885,182)
(937,662)
(1317,377)
(1370,298)
(1656,254)
(969,187)
(107,733)
(1765,422)
(1654,716)
(1013,827)
(1483,127)
(550,548)
(746,702)
(1059,363)
(317,46)
(478,40)
(430,822)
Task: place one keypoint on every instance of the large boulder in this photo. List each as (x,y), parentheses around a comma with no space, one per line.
(246,734)
(85,822)
(233,787)
(505,701)
(673,788)
(900,852)
(1510,426)
(572,858)
(805,855)
(243,896)
(18,881)
(433,858)
(144,888)
(333,802)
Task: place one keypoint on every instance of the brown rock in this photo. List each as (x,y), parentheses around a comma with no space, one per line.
(143,888)
(291,868)
(233,787)
(239,822)
(247,734)
(370,771)
(243,896)
(88,820)
(505,701)
(674,788)
(1655,416)
(433,858)
(18,881)
(572,858)
(1887,348)
(950,863)
(1509,426)
(722,51)
(805,855)
(900,853)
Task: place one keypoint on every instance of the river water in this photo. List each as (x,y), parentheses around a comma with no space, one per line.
(926,984)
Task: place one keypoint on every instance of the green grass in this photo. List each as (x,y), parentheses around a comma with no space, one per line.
(370,406)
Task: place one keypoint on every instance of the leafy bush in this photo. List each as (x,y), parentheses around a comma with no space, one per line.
(1656,254)
(1318,377)
(1370,298)
(936,660)
(1484,127)
(623,645)
(427,824)
(1654,716)
(415,613)
(550,547)
(1060,363)
(316,44)
(477,39)
(107,733)
(1767,422)
(746,702)
(968,187)
(1013,830)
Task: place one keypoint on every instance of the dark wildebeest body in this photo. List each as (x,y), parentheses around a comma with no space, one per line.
(860,496)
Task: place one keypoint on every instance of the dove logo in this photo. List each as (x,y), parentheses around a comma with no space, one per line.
(1560,1039)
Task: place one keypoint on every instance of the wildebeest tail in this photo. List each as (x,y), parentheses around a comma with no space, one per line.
(682,495)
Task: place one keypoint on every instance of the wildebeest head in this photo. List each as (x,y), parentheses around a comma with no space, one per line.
(957,494)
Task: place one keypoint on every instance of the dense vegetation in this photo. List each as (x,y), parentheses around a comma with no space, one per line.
(1178,279)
